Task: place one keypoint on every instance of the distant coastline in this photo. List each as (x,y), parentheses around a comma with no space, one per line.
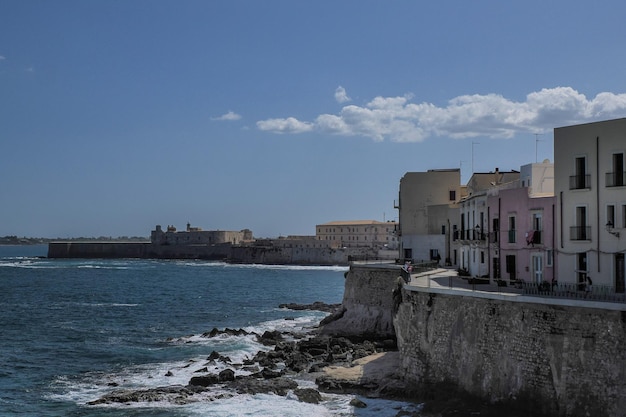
(15,240)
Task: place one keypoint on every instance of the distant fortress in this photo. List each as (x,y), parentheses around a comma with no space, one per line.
(362,240)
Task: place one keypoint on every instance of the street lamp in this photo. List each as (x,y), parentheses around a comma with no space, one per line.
(611,229)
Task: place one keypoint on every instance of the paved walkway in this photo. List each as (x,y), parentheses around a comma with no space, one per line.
(447,281)
(449,278)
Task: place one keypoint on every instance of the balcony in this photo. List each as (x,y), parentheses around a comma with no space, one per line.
(615,179)
(534,238)
(579,182)
(512,236)
(580,233)
(473,234)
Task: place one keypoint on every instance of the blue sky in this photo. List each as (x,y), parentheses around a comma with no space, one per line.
(276,116)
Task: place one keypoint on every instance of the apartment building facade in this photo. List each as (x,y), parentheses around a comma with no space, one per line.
(358,233)
(521,220)
(428,214)
(474,231)
(590,188)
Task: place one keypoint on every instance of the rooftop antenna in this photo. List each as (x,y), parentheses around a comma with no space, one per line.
(473,143)
(536,145)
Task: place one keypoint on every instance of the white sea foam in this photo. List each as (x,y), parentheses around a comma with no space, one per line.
(218,264)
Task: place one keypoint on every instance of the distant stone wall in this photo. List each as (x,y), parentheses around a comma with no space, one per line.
(297,256)
(97,249)
(247,254)
(566,361)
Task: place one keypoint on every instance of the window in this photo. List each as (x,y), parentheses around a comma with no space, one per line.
(443,229)
(452,195)
(537,227)
(549,257)
(482,257)
(496,229)
(610,215)
(581,231)
(581,180)
(616,178)
(512,232)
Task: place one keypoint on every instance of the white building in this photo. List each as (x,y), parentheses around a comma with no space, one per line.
(590,188)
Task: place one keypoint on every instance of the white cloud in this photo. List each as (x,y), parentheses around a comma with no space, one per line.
(288,125)
(490,115)
(230,116)
(341,96)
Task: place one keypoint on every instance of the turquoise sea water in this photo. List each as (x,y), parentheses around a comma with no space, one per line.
(74,330)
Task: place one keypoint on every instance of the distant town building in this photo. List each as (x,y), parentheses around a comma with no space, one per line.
(358,233)
(197,236)
(590,186)
(428,214)
(291,241)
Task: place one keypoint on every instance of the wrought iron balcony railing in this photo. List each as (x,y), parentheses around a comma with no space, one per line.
(579,182)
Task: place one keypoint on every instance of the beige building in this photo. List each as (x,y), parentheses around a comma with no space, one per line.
(590,188)
(358,233)
(428,214)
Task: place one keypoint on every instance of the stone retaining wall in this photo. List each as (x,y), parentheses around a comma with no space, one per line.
(559,360)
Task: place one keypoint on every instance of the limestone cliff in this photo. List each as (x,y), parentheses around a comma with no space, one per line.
(368,303)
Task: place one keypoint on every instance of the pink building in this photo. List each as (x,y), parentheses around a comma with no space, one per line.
(521,227)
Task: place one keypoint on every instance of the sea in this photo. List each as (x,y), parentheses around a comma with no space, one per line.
(73,330)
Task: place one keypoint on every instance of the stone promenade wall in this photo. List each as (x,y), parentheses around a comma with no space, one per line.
(560,360)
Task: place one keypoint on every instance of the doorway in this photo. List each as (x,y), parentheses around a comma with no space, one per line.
(537,262)
(619,273)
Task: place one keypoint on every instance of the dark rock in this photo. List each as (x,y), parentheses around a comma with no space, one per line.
(204,381)
(278,386)
(175,394)
(169,373)
(269,374)
(308,395)
(270,337)
(231,332)
(317,306)
(297,361)
(205,369)
(227,375)
(355,402)
(213,356)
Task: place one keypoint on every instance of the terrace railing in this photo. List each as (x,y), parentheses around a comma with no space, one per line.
(574,291)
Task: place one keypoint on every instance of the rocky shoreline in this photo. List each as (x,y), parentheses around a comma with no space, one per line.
(337,365)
